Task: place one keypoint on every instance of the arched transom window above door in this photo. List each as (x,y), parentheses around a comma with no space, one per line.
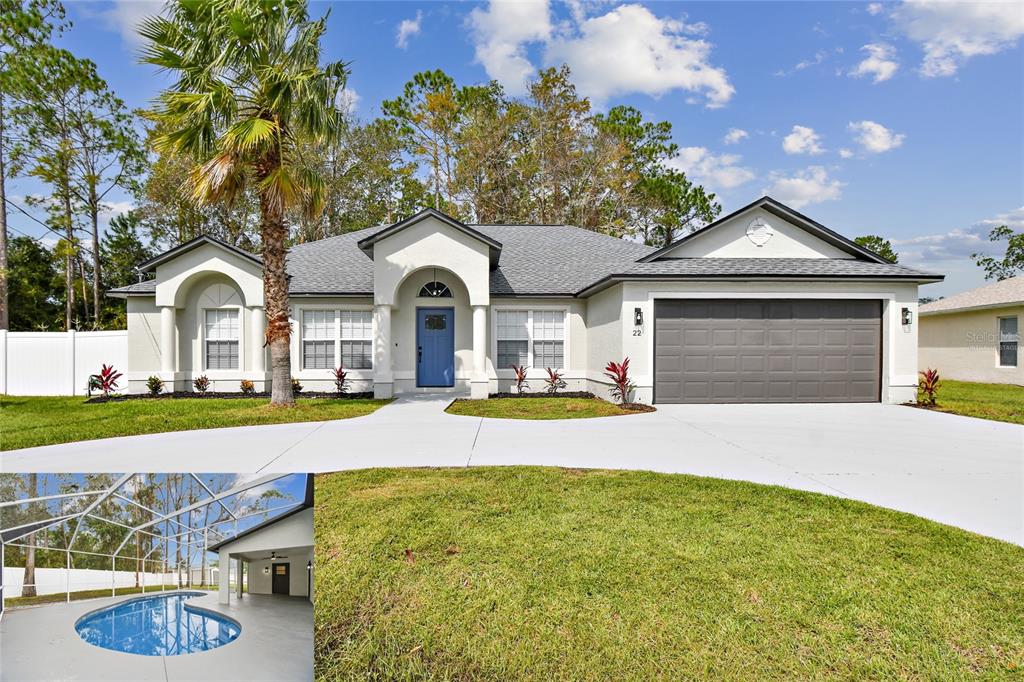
(435,289)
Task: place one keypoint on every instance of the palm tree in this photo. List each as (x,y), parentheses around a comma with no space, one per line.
(250,88)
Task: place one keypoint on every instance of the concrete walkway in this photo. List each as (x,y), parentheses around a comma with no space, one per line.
(958,470)
(276,643)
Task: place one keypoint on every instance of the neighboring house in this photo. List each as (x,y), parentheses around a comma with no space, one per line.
(763,305)
(277,554)
(974,336)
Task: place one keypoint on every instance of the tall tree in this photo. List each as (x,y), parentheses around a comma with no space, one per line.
(122,250)
(34,286)
(1012,262)
(880,245)
(26,27)
(108,156)
(49,147)
(250,88)
(429,114)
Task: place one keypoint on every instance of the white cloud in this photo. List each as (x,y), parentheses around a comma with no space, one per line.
(735,135)
(874,8)
(124,17)
(720,171)
(348,100)
(802,140)
(880,62)
(407,29)
(845,153)
(500,33)
(875,138)
(112,209)
(626,50)
(959,243)
(808,186)
(952,32)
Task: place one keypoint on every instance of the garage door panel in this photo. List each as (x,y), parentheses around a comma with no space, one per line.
(753,350)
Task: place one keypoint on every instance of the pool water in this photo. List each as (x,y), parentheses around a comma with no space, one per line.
(160,625)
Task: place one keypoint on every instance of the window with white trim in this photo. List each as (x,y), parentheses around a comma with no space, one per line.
(532,338)
(221,338)
(345,334)
(1009,339)
(318,339)
(357,339)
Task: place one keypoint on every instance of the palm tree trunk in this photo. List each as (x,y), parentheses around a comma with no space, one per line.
(275,301)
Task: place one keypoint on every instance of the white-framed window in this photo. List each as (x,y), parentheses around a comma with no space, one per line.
(221,338)
(333,336)
(1009,340)
(357,339)
(318,339)
(531,338)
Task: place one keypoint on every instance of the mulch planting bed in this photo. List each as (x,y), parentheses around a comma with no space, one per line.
(220,396)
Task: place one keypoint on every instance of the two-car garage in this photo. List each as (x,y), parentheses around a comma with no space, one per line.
(767,350)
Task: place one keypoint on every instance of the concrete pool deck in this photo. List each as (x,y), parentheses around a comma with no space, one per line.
(276,643)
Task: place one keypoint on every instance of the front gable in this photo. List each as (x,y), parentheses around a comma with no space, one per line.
(764,229)
(175,275)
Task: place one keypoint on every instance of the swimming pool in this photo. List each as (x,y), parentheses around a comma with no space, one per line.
(158,625)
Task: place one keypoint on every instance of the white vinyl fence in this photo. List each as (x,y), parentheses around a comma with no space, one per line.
(59,580)
(58,363)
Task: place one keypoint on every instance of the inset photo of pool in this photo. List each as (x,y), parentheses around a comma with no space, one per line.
(176,576)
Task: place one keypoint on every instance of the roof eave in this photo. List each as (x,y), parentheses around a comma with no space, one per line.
(970,308)
(494,247)
(612,280)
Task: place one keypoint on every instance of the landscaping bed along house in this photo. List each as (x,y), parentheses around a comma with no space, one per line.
(998,402)
(190,395)
(568,405)
(498,573)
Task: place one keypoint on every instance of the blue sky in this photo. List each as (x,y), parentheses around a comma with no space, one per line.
(899,119)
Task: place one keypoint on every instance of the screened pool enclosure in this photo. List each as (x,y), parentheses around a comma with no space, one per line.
(75,536)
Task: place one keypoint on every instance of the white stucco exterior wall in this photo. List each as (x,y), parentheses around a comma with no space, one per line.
(729,240)
(965,345)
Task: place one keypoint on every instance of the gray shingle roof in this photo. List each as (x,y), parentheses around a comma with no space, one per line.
(1006,292)
(539,260)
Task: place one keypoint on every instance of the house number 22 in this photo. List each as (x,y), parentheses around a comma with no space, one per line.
(638,331)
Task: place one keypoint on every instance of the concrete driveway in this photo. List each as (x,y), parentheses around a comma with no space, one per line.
(958,470)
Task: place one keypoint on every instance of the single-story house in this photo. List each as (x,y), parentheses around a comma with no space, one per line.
(762,305)
(975,336)
(275,556)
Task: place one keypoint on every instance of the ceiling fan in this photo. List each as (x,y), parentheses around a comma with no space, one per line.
(273,555)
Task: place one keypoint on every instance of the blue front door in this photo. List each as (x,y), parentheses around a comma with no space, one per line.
(435,346)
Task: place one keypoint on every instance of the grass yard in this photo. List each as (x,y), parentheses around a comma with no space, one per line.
(541,573)
(61,597)
(537,408)
(29,422)
(1001,402)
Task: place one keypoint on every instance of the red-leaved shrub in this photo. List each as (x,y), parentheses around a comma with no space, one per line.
(622,384)
(340,380)
(554,381)
(521,381)
(106,380)
(929,386)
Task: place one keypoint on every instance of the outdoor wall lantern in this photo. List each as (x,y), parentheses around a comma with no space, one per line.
(266,570)
(908,316)
(638,317)
(309,565)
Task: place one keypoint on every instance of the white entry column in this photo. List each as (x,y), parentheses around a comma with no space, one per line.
(257,333)
(223,578)
(239,570)
(168,342)
(383,379)
(479,384)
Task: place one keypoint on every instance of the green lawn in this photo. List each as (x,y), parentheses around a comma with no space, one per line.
(92,594)
(537,408)
(1001,402)
(28,422)
(531,573)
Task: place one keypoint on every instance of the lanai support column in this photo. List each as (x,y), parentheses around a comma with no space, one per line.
(479,384)
(238,579)
(383,379)
(257,334)
(224,578)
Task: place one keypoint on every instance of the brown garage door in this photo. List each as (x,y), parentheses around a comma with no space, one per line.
(765,351)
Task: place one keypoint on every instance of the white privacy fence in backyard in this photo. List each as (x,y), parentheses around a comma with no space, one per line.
(59,580)
(58,363)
